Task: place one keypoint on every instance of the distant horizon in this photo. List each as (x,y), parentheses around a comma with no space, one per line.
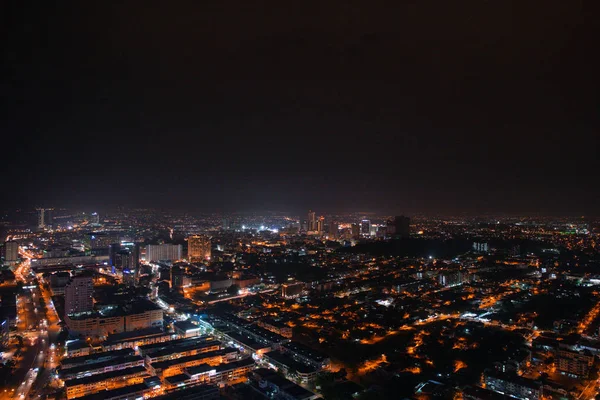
(297,213)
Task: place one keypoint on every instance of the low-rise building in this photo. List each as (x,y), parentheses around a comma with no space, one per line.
(574,363)
(138,315)
(176,366)
(207,374)
(137,338)
(513,385)
(114,364)
(79,387)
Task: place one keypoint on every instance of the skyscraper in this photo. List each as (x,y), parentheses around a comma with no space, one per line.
(365,227)
(79,293)
(134,263)
(355,231)
(94,218)
(312,221)
(11,251)
(44,218)
(199,248)
(41,218)
(321,225)
(333,230)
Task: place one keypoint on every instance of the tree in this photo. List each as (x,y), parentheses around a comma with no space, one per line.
(233,289)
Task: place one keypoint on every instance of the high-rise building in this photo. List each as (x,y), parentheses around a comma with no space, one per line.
(179,278)
(11,251)
(41,218)
(94,218)
(45,219)
(355,231)
(312,221)
(333,229)
(134,263)
(321,225)
(365,227)
(199,248)
(113,255)
(164,252)
(79,294)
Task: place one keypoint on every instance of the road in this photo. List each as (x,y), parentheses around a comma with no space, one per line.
(39,328)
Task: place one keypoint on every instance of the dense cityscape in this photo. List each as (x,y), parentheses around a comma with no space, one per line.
(143,303)
(279,200)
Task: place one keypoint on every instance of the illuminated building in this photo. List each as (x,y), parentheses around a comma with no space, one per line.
(177,365)
(355,231)
(102,240)
(291,290)
(320,224)
(480,247)
(199,248)
(365,227)
(312,221)
(179,278)
(513,385)
(452,278)
(164,252)
(44,218)
(575,364)
(79,292)
(11,251)
(94,218)
(134,316)
(79,387)
(137,338)
(206,373)
(126,258)
(333,229)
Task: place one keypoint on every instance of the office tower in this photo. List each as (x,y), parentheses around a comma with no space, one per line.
(312,221)
(179,278)
(333,230)
(79,293)
(355,231)
(134,263)
(11,251)
(198,248)
(304,225)
(365,227)
(95,218)
(399,227)
(321,224)
(44,218)
(163,252)
(41,218)
(113,252)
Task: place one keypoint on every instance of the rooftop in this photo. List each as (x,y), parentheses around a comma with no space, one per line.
(162,365)
(105,376)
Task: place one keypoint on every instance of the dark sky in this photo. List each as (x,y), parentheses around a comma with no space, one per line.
(400,106)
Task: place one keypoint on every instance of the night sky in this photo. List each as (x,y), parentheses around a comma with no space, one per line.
(399,106)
